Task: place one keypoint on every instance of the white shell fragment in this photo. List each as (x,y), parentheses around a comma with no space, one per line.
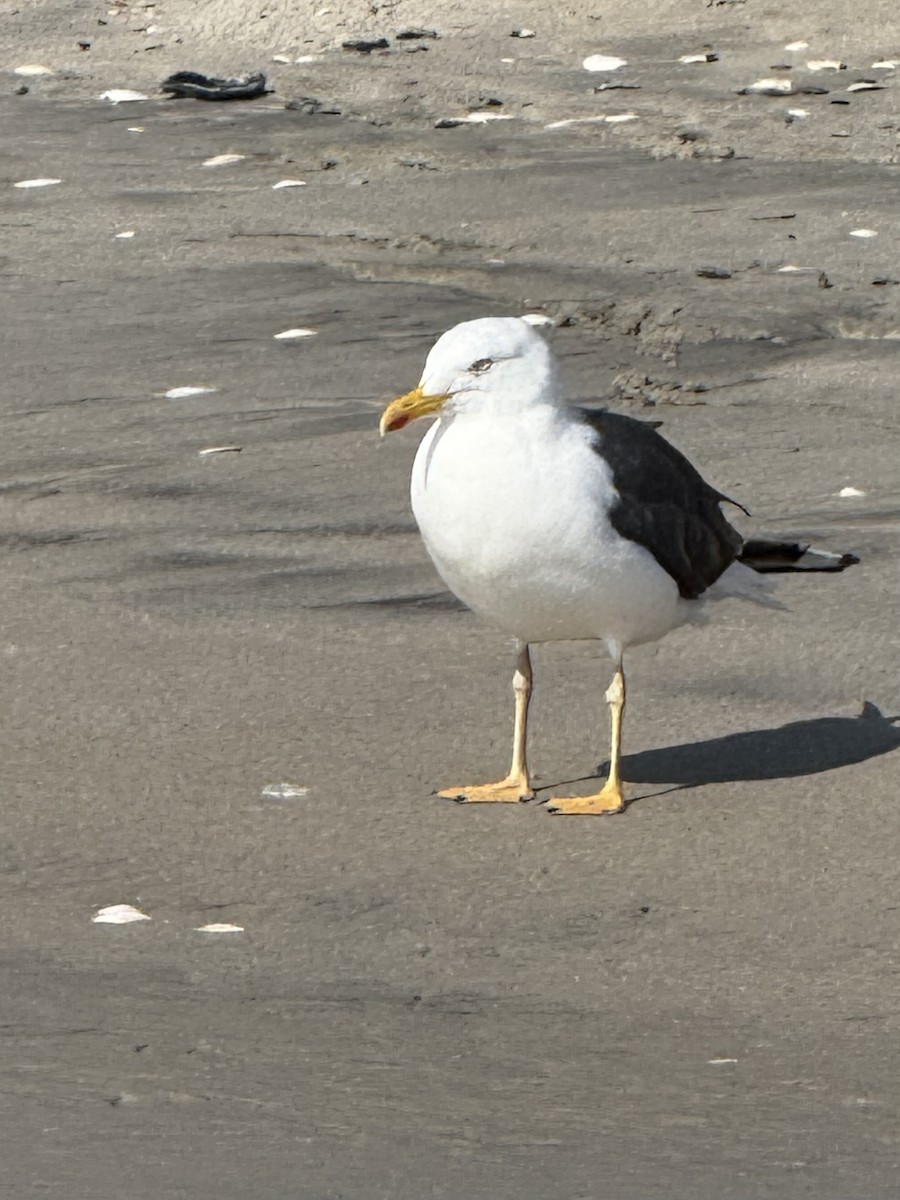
(288,335)
(698,58)
(523,33)
(307,58)
(618,118)
(790,269)
(718,1062)
(886,64)
(537,319)
(33,183)
(122,96)
(564,124)
(283,183)
(119,914)
(284,791)
(125,234)
(282,58)
(769,87)
(795,47)
(603,62)
(220,160)
(30,70)
(210,450)
(135,129)
(850,491)
(219,928)
(863,233)
(865,85)
(182,393)
(826,64)
(799,114)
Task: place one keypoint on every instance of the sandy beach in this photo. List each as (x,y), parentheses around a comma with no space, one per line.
(208,593)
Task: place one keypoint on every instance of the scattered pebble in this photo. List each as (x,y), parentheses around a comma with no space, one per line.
(845,492)
(364,46)
(210,450)
(122,96)
(826,64)
(537,319)
(32,69)
(523,33)
(219,928)
(416,35)
(33,183)
(284,791)
(119,914)
(126,233)
(713,273)
(283,183)
(287,335)
(182,393)
(220,160)
(768,87)
(603,62)
(863,233)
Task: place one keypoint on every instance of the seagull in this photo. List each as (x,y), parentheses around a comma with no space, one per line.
(559,523)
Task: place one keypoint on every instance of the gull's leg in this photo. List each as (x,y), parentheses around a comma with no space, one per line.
(517,785)
(610,798)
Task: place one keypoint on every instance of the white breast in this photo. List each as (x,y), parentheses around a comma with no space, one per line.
(514,513)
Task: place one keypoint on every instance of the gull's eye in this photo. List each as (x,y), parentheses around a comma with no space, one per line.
(480,366)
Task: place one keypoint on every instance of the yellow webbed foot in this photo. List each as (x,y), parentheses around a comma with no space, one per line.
(609,800)
(511,790)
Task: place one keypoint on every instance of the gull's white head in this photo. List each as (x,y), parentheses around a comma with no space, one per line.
(499,364)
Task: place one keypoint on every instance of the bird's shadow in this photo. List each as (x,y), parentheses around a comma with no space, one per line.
(798,748)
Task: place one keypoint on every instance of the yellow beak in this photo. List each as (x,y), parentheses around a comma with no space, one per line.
(407,408)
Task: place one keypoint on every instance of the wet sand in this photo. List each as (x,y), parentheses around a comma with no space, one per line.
(694,1000)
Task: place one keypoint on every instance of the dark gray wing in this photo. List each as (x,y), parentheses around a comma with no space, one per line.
(664,504)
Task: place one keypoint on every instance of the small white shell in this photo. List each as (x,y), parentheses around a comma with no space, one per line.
(523,33)
(220,160)
(695,58)
(718,1062)
(288,335)
(567,121)
(283,183)
(119,914)
(825,64)
(790,269)
(284,791)
(865,85)
(307,58)
(122,96)
(210,450)
(219,928)
(603,62)
(850,491)
(537,319)
(182,393)
(135,129)
(798,113)
(795,47)
(769,87)
(863,233)
(33,183)
(618,118)
(886,64)
(126,233)
(32,69)
(281,58)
